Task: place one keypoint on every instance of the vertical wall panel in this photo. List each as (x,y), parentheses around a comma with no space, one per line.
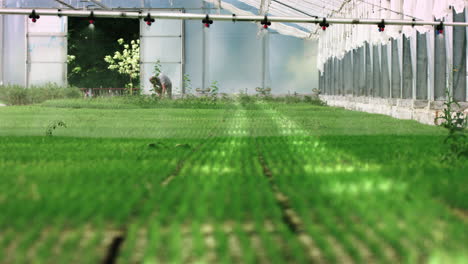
(349,76)
(339,74)
(422,67)
(362,72)
(326,73)
(330,76)
(440,67)
(376,87)
(407,92)
(356,69)
(335,76)
(396,73)
(47,51)
(320,82)
(385,73)
(14,50)
(162,41)
(459,59)
(369,77)
(342,76)
(1,44)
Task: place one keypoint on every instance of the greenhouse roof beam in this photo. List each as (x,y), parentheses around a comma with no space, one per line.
(293,8)
(99,4)
(65,4)
(264,7)
(246,18)
(388,9)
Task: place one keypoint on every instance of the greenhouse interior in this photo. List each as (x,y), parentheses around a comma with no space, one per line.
(234,131)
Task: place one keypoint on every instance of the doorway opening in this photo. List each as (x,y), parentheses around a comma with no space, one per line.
(89,44)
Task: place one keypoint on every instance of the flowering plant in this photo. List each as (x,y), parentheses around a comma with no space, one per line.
(127,61)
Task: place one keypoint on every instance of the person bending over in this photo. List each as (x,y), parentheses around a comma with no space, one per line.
(162,85)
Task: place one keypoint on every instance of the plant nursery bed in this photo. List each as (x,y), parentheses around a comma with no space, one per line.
(225,181)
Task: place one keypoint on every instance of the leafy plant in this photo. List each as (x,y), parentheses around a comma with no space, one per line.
(86,185)
(187,84)
(90,46)
(263,91)
(127,61)
(20,95)
(456,122)
(157,68)
(54,125)
(214,88)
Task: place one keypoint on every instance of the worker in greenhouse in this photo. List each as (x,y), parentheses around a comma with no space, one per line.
(162,85)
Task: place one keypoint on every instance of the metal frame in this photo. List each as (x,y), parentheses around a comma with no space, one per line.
(26,52)
(265,57)
(466,18)
(1,43)
(99,4)
(253,18)
(182,51)
(29,62)
(293,8)
(65,4)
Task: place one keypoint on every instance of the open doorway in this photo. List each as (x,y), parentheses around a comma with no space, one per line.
(89,44)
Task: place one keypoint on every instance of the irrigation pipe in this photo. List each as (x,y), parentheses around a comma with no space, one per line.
(214,17)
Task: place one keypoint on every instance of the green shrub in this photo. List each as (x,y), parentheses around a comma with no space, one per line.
(19,95)
(189,101)
(456,123)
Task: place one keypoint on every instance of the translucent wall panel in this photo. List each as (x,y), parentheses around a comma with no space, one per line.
(108,3)
(31,3)
(407,92)
(356,71)
(235,56)
(328,78)
(162,41)
(395,70)
(335,76)
(348,74)
(385,72)
(376,86)
(459,59)
(422,67)
(47,51)
(14,50)
(341,77)
(361,63)
(369,77)
(193,52)
(1,45)
(440,67)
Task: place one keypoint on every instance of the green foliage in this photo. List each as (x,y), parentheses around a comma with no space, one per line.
(367,188)
(19,95)
(214,88)
(188,101)
(54,125)
(456,123)
(157,68)
(263,91)
(187,84)
(89,47)
(126,62)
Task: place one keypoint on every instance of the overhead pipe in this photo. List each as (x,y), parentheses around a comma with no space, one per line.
(252,18)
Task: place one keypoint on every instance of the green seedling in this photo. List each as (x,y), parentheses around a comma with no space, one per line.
(54,125)
(183,146)
(157,145)
(456,123)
